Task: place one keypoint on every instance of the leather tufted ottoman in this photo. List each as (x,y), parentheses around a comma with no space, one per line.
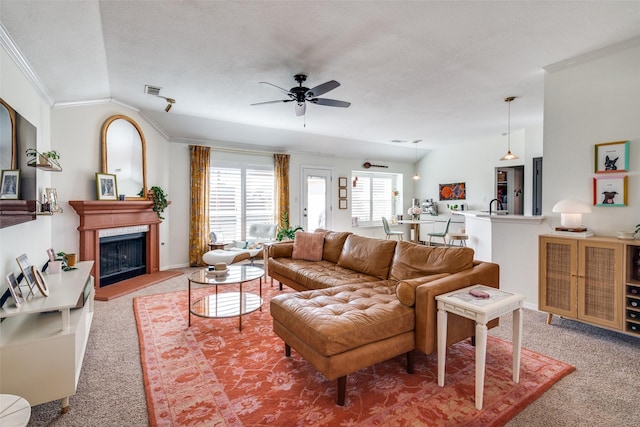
(344,329)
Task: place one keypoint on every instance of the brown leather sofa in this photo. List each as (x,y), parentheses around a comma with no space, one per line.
(369,300)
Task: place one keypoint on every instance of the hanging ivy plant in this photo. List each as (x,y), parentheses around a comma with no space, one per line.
(159,199)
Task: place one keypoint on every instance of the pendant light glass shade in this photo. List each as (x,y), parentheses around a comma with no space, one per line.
(509,155)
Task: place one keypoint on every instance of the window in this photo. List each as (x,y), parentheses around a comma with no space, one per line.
(239,197)
(373,196)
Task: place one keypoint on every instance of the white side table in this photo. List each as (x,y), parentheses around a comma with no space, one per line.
(14,410)
(482,310)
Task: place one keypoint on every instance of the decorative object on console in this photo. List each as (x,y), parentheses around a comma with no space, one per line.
(14,290)
(610,190)
(41,284)
(106,186)
(571,211)
(612,157)
(509,155)
(10,184)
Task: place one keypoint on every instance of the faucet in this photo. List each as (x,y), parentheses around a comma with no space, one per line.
(498,205)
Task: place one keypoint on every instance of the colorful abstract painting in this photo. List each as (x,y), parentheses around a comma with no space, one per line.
(455,191)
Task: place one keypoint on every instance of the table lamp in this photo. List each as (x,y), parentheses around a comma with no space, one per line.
(571,211)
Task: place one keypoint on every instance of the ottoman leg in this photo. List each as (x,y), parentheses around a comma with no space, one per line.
(342,390)
(287,350)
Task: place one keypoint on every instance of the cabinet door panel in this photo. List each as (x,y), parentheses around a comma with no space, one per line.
(600,284)
(558,277)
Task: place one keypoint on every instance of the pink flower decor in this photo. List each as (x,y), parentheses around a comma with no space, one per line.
(414,210)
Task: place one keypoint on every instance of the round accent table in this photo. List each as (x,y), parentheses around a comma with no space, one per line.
(226,304)
(14,410)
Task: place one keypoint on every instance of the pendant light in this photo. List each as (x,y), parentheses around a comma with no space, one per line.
(416,176)
(509,155)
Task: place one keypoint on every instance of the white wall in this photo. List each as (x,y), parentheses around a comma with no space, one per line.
(591,103)
(33,237)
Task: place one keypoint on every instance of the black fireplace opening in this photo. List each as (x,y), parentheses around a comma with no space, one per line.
(122,257)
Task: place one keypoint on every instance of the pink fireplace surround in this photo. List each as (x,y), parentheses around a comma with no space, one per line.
(96,215)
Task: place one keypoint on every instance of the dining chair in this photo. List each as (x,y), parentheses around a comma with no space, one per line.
(442,235)
(390,232)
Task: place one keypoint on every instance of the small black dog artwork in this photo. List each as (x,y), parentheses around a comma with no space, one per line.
(608,197)
(610,164)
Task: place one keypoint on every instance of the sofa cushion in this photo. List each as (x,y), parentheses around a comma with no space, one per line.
(406,289)
(367,255)
(308,246)
(411,261)
(339,319)
(333,243)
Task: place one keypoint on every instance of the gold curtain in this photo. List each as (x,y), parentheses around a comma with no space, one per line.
(199,223)
(282,185)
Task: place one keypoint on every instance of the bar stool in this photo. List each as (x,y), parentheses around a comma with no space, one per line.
(458,237)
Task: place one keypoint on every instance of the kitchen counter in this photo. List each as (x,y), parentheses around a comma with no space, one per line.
(501,217)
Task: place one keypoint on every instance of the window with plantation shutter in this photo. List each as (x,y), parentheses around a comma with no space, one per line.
(238,198)
(373,196)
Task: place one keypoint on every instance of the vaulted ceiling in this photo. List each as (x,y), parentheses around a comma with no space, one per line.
(432,70)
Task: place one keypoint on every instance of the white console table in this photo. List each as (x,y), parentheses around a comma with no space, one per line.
(42,343)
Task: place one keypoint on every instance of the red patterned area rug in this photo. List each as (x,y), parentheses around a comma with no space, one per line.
(211,374)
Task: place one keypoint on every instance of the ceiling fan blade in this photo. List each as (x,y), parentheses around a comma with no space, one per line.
(323,88)
(277,87)
(301,107)
(330,102)
(272,102)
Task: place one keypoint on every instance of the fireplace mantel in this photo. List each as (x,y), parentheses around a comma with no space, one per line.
(96,215)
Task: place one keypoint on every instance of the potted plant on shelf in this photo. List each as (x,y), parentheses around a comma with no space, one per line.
(159,198)
(285,231)
(46,158)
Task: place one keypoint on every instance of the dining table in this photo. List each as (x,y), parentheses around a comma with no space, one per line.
(415,226)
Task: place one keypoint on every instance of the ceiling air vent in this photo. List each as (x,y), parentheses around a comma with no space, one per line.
(152,90)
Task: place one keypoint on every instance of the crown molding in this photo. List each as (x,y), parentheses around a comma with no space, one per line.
(89,102)
(18,58)
(591,56)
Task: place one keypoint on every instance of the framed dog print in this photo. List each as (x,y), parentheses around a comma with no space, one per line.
(106,186)
(610,191)
(612,157)
(10,184)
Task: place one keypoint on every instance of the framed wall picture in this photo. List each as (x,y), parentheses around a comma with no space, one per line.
(612,157)
(10,184)
(610,191)
(342,181)
(14,289)
(106,186)
(454,191)
(342,193)
(342,204)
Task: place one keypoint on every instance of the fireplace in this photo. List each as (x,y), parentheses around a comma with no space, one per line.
(122,257)
(106,222)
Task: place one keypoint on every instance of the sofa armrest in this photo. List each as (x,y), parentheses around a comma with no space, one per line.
(281,249)
(459,328)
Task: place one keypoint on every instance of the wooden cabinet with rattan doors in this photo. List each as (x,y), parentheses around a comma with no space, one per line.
(582,279)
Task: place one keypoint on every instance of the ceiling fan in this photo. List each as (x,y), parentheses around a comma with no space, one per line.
(301,95)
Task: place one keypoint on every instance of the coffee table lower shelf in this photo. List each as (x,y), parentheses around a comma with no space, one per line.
(227,304)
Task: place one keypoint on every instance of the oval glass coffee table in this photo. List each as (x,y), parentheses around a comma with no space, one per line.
(226,304)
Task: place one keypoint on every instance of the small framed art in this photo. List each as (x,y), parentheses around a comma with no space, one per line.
(612,157)
(41,284)
(342,181)
(10,184)
(342,204)
(342,193)
(14,289)
(25,267)
(610,190)
(106,186)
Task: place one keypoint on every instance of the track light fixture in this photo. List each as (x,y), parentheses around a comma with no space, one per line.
(509,155)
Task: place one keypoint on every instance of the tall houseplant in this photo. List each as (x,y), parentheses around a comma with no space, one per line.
(285,230)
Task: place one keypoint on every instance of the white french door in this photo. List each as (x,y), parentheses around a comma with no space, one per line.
(316,198)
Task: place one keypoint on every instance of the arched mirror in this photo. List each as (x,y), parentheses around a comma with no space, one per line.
(8,153)
(124,155)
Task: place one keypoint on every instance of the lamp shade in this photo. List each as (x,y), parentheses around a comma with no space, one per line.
(571,211)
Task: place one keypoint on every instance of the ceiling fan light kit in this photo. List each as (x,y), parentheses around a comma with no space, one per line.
(301,95)
(509,155)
